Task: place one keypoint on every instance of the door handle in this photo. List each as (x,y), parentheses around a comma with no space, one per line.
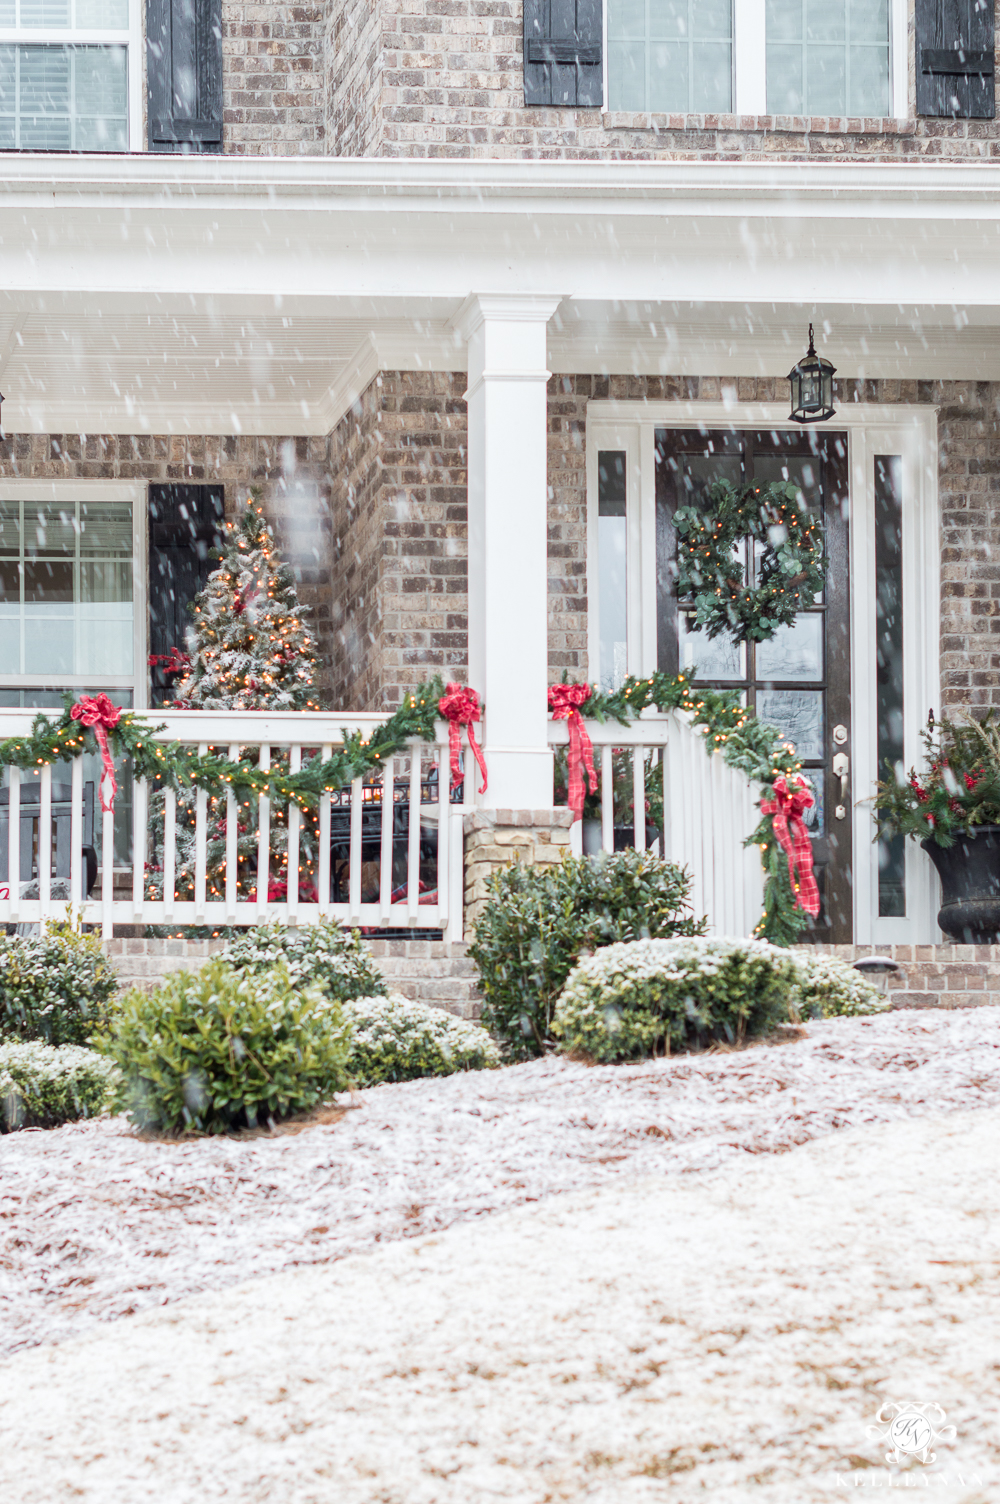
(841,769)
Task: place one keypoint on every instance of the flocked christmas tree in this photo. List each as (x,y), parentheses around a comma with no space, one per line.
(249,649)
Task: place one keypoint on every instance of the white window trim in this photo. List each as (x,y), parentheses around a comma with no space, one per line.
(131,38)
(750,59)
(64,491)
(872,429)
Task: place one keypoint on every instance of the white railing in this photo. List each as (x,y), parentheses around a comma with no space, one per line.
(373,864)
(708,810)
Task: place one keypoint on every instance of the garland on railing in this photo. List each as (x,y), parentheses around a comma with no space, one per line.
(746,743)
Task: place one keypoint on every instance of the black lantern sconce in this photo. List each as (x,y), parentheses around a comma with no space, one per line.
(811,381)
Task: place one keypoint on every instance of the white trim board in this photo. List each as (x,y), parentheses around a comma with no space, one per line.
(872,429)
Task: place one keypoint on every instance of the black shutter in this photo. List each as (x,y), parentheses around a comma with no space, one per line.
(563,53)
(184,69)
(184,526)
(955,59)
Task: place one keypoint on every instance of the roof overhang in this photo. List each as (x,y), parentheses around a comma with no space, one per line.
(225,295)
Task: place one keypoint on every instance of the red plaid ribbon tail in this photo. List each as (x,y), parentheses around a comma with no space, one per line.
(101,717)
(460,707)
(786,810)
(580,760)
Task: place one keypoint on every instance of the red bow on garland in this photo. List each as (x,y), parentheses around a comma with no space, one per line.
(790,832)
(460,707)
(101,716)
(564,702)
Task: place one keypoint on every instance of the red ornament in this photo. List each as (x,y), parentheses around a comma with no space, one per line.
(460,707)
(786,808)
(101,716)
(564,702)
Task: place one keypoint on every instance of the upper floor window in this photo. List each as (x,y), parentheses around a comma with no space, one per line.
(64,75)
(776,57)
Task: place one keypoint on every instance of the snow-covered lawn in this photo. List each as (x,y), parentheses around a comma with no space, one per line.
(96,1223)
(725,1336)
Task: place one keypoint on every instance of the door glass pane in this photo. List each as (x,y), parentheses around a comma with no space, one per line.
(889,667)
(671,56)
(827,57)
(612,541)
(795,651)
(798,715)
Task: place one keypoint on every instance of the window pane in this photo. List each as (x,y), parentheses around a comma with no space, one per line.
(827,57)
(44,13)
(671,56)
(111,15)
(63,98)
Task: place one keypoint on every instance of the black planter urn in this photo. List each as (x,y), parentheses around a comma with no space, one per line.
(970,886)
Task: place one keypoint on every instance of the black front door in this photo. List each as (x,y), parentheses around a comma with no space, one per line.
(800,681)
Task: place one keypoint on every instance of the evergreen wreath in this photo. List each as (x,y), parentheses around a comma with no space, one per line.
(790,570)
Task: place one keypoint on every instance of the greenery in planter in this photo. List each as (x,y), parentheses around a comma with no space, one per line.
(221,1048)
(539,919)
(959,790)
(653,996)
(42,1086)
(394,1039)
(338,959)
(55,987)
(829,988)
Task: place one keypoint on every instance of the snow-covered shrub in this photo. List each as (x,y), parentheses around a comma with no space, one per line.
(218,1049)
(829,988)
(336,958)
(42,1085)
(653,996)
(394,1039)
(55,986)
(539,919)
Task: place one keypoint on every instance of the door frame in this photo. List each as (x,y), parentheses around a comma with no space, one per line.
(872,428)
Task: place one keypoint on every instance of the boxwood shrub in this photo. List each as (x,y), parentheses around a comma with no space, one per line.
(394,1039)
(654,996)
(55,987)
(829,988)
(42,1086)
(322,952)
(218,1049)
(539,919)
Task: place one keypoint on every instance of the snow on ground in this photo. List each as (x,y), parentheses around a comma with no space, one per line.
(96,1223)
(725,1336)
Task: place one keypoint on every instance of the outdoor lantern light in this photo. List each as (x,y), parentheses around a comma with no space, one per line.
(811,381)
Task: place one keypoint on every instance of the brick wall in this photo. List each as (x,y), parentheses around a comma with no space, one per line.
(274,79)
(443,78)
(400,537)
(292,473)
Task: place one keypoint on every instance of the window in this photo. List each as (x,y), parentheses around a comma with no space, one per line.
(65,75)
(756,57)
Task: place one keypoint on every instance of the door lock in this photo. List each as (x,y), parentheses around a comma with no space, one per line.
(841,768)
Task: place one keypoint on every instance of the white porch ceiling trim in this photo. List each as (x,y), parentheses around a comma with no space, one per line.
(262,296)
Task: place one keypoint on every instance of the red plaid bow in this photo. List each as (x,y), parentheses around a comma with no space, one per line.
(786,808)
(564,702)
(101,716)
(460,707)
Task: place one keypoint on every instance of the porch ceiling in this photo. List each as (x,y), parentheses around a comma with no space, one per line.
(147,295)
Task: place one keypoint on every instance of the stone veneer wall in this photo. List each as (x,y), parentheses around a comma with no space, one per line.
(496,837)
(292,473)
(934,976)
(400,576)
(443,78)
(398,462)
(273,79)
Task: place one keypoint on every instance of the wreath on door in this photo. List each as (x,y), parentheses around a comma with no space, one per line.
(790,570)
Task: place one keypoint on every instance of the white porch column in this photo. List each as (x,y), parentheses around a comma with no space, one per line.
(508,505)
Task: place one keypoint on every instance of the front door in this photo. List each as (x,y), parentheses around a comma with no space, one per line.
(800,680)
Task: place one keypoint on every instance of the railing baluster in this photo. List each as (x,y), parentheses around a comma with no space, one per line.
(77,897)
(169,851)
(45,841)
(140,799)
(607,800)
(385,852)
(263,840)
(413,844)
(107,873)
(200,844)
(14,845)
(443,840)
(326,752)
(232,840)
(294,823)
(639,797)
(354,882)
